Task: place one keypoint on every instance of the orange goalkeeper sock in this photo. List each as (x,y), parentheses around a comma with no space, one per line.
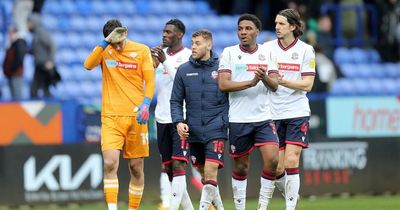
(111,191)
(135,195)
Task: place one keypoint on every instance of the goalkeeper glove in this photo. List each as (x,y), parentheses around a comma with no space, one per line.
(117,35)
(143,111)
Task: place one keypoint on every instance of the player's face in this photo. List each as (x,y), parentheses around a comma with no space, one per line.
(282,27)
(247,32)
(171,35)
(200,47)
(119,46)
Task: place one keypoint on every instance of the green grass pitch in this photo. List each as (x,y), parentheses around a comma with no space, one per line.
(386,202)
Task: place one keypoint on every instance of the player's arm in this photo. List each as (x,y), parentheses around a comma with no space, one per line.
(166,63)
(305,84)
(148,74)
(176,101)
(270,79)
(226,84)
(95,57)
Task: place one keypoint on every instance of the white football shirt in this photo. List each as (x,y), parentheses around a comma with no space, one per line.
(165,74)
(294,61)
(251,104)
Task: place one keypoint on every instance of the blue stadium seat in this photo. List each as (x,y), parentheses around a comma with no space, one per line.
(373,56)
(361,87)
(349,70)
(65,73)
(390,86)
(342,55)
(363,70)
(392,70)
(375,87)
(359,55)
(29,68)
(378,70)
(342,87)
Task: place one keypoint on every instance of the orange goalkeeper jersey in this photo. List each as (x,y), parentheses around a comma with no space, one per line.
(128,76)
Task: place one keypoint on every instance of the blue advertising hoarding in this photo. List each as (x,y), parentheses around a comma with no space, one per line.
(363,116)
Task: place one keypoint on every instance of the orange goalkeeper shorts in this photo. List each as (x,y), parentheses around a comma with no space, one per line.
(124,133)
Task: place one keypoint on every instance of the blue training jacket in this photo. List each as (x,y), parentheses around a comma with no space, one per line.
(196,83)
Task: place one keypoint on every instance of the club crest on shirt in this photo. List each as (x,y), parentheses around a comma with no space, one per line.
(214,74)
(295,56)
(233,148)
(261,57)
(193,159)
(240,57)
(110,52)
(133,55)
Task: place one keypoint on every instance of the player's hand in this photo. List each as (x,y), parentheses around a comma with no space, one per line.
(261,73)
(117,35)
(160,54)
(143,111)
(154,56)
(280,79)
(183,130)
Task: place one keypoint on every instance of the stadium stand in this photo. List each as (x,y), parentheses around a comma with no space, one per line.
(76,29)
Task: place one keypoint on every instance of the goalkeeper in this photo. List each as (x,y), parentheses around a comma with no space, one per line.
(128,86)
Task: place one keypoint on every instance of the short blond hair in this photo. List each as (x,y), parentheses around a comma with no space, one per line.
(206,34)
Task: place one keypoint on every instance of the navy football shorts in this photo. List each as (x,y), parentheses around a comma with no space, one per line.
(293,131)
(244,137)
(212,151)
(170,144)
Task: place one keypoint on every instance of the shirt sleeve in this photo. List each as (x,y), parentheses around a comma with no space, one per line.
(148,73)
(224,63)
(272,63)
(94,58)
(177,97)
(308,67)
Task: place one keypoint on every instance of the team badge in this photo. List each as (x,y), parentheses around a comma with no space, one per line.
(261,57)
(110,52)
(240,57)
(193,159)
(295,56)
(214,74)
(133,55)
(233,148)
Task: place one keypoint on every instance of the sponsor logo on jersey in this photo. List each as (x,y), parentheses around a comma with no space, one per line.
(249,67)
(123,65)
(289,66)
(254,67)
(192,74)
(214,74)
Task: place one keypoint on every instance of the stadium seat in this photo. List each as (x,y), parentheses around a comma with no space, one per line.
(342,55)
(361,87)
(342,87)
(373,56)
(363,70)
(359,55)
(392,70)
(349,70)
(390,87)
